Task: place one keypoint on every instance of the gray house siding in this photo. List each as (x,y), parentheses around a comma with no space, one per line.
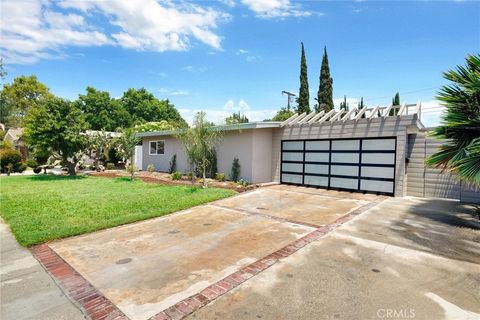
(252,147)
(432,182)
(377,127)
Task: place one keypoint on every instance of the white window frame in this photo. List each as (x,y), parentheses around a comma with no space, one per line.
(150,147)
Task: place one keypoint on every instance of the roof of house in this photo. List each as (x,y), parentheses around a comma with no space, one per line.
(14,134)
(239,126)
(322,117)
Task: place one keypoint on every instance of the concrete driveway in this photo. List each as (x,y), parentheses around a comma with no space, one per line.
(280,252)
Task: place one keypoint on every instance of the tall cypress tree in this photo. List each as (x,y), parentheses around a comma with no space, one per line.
(344,104)
(303,94)
(361,105)
(325,88)
(395,102)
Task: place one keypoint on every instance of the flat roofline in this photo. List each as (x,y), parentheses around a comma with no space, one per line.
(231,127)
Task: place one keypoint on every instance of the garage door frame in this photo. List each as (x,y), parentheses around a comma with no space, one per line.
(329,163)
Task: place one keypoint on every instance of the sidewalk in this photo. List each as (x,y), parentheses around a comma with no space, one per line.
(26,290)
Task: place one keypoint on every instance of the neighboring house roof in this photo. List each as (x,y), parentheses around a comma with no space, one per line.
(14,134)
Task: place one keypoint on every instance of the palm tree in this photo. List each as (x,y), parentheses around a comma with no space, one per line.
(461,123)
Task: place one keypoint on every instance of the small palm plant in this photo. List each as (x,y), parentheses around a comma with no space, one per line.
(125,146)
(461,123)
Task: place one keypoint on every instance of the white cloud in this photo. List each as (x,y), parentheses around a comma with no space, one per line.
(229,3)
(242,51)
(173,92)
(218,116)
(38,29)
(193,69)
(268,9)
(32,31)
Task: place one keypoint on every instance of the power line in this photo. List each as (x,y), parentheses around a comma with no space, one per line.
(403,93)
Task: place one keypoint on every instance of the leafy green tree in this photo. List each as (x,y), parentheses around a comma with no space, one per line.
(461,123)
(199,143)
(57,127)
(154,126)
(125,147)
(236,118)
(283,114)
(103,112)
(19,97)
(344,104)
(395,102)
(144,107)
(303,99)
(325,88)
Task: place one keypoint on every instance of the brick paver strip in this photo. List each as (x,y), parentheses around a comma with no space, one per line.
(91,301)
(97,307)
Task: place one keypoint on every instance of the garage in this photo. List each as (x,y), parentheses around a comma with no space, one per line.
(363,165)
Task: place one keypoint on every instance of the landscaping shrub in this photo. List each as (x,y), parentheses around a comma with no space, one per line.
(173,164)
(211,166)
(19,167)
(8,159)
(32,163)
(177,175)
(110,166)
(220,176)
(235,173)
(243,182)
(150,168)
(37,170)
(131,169)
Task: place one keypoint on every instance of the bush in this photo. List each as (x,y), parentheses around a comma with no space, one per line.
(150,168)
(173,164)
(110,166)
(220,176)
(9,158)
(32,163)
(177,175)
(243,182)
(19,167)
(37,170)
(235,174)
(211,165)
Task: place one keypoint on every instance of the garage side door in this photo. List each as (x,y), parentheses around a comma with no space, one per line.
(364,165)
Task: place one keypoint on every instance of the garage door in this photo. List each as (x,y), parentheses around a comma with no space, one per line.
(364,165)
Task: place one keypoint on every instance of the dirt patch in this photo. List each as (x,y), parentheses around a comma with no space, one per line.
(164,178)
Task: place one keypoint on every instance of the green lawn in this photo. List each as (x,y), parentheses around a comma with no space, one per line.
(42,208)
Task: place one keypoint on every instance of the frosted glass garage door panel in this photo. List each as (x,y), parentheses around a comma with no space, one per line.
(345,157)
(316,168)
(379,186)
(344,170)
(378,158)
(316,181)
(377,172)
(291,178)
(292,145)
(378,144)
(345,144)
(344,183)
(292,167)
(317,145)
(292,156)
(316,156)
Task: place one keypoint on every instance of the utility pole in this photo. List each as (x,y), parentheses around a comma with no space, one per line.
(289,98)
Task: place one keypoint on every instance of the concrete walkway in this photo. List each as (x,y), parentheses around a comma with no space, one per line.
(26,290)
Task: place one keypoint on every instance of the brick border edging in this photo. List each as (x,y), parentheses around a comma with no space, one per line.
(191,304)
(91,301)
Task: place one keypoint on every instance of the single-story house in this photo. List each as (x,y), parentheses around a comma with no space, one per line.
(14,135)
(358,150)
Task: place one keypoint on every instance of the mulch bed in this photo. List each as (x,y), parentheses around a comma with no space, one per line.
(164,178)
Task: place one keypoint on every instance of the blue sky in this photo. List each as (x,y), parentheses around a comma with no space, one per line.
(223,56)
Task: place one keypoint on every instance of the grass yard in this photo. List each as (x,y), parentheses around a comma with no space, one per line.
(43,208)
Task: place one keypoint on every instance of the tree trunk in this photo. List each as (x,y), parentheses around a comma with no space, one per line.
(204,172)
(71,168)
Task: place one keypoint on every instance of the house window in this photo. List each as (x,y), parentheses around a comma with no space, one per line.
(157,147)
